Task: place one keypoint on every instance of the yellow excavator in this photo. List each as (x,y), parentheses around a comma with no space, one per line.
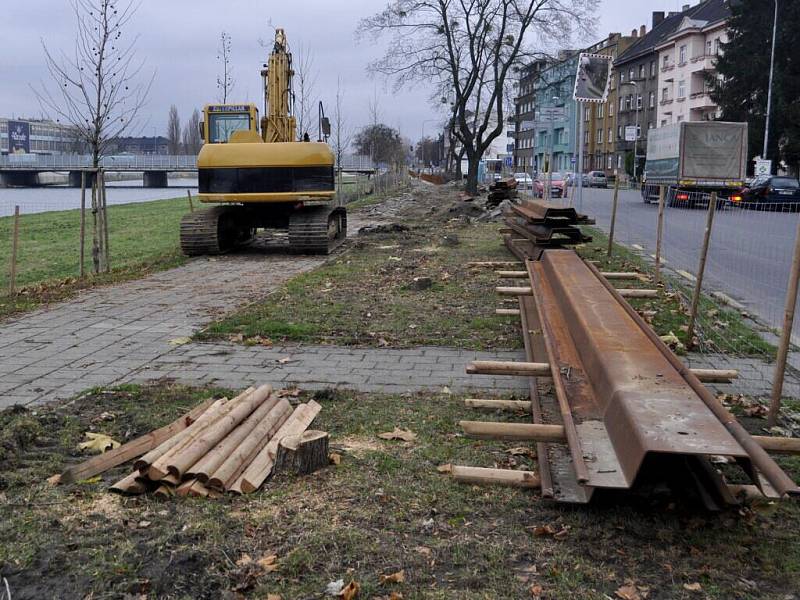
(258,176)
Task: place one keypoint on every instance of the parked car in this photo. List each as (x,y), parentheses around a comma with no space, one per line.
(770,193)
(558,185)
(523,180)
(595,179)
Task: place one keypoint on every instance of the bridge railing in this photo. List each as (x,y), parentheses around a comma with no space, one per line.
(134,162)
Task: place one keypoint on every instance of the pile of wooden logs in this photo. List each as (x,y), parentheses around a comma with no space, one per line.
(220,446)
(504,189)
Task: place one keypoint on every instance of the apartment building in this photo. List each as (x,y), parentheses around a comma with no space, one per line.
(524,132)
(600,119)
(687,59)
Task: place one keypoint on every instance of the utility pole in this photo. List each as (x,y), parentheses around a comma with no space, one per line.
(580,107)
(769,90)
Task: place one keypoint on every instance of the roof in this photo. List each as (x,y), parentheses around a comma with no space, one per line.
(708,12)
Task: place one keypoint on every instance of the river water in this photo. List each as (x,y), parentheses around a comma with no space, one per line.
(59,197)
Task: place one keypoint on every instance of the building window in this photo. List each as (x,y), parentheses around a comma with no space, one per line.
(651,100)
(585,137)
(680,118)
(610,134)
(621,77)
(630,74)
(652,68)
(708,48)
(663,122)
(638,101)
(599,136)
(621,103)
(682,89)
(650,125)
(664,94)
(628,101)
(682,55)
(610,162)
(619,132)
(666,61)
(716,46)
(641,71)
(638,132)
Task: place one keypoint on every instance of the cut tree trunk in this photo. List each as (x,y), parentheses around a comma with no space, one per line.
(303,454)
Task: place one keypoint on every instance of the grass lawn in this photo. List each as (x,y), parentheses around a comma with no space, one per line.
(382,509)
(367,295)
(721,329)
(143,237)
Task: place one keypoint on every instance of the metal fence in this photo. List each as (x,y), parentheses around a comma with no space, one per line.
(746,273)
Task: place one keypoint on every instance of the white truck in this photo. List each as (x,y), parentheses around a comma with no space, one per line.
(693,158)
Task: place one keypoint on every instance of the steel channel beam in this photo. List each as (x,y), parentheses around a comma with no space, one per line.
(623,398)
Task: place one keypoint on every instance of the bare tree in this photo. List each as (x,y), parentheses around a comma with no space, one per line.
(98,93)
(173,131)
(225,80)
(306,101)
(342,134)
(471,46)
(191,134)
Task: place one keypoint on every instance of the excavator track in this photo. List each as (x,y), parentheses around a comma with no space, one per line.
(317,230)
(213,231)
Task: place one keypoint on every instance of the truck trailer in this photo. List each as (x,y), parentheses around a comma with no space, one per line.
(694,158)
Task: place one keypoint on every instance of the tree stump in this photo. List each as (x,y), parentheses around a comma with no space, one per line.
(304,453)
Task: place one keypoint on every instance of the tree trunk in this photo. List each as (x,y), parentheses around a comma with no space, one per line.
(303,454)
(95,230)
(472,174)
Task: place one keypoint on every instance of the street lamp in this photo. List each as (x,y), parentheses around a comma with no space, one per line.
(769,90)
(635,137)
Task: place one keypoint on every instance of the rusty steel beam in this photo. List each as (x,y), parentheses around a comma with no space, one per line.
(622,397)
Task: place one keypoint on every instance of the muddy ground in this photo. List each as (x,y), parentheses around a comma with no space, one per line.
(383,509)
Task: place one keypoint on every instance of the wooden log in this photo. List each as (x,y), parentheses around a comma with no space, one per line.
(302,454)
(496,263)
(716,375)
(495,367)
(167,443)
(512,274)
(482,476)
(211,460)
(517,432)
(261,467)
(779,445)
(238,460)
(637,293)
(129,485)
(623,275)
(512,405)
(514,291)
(178,462)
(183,488)
(164,491)
(141,445)
(507,311)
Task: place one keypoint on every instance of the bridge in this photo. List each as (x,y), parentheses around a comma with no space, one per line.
(23,169)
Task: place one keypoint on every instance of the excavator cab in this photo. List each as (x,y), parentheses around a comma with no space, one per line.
(222,120)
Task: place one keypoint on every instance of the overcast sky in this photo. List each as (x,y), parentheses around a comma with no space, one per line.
(179,40)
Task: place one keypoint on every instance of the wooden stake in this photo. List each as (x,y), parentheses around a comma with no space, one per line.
(512,274)
(481,476)
(780,445)
(106,250)
(698,284)
(102,462)
(82,270)
(495,367)
(715,375)
(514,291)
(613,217)
(629,275)
(659,232)
(511,405)
(191,204)
(491,264)
(12,280)
(506,311)
(130,486)
(517,432)
(95,240)
(786,333)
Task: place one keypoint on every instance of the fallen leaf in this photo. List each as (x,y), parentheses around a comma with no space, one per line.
(180,341)
(536,590)
(350,591)
(550,530)
(144,524)
(423,550)
(244,560)
(334,588)
(398,577)
(693,587)
(284,360)
(396,596)
(55,479)
(98,442)
(335,458)
(628,592)
(268,563)
(273,597)
(445,468)
(522,451)
(399,434)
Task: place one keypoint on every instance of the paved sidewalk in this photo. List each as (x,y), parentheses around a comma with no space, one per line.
(106,333)
(313,367)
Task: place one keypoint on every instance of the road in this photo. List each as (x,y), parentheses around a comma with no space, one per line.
(750,254)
